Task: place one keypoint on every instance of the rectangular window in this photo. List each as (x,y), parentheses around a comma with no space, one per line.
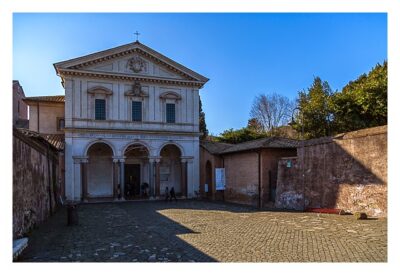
(136,110)
(170,113)
(60,123)
(100,109)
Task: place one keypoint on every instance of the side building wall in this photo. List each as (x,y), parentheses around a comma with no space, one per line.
(35,183)
(48,114)
(347,172)
(269,171)
(242,180)
(214,161)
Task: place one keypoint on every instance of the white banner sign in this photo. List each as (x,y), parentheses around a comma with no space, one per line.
(220,178)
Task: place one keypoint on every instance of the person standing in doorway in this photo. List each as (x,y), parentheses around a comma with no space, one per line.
(172,194)
(166,193)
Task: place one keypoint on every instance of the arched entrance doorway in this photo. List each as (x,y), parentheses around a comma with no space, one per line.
(100,171)
(172,170)
(209,182)
(136,172)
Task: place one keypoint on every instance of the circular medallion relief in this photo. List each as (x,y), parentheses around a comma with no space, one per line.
(136,64)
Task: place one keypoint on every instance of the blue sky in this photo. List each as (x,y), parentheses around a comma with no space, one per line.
(242,54)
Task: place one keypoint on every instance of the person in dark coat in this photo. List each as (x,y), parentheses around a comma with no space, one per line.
(166,193)
(172,194)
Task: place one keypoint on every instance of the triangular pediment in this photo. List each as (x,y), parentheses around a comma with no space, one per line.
(133,59)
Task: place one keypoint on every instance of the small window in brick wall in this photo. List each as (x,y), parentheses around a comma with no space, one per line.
(60,123)
(100,109)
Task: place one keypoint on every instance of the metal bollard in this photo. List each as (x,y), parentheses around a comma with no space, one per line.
(72,214)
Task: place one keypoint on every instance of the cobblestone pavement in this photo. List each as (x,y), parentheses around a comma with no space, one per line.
(186,231)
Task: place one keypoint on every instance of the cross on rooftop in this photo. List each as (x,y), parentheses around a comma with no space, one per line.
(137,35)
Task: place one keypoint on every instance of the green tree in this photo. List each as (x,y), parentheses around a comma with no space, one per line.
(315,110)
(362,103)
(202,122)
(240,135)
(254,125)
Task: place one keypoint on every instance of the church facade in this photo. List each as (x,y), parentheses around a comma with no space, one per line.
(131,125)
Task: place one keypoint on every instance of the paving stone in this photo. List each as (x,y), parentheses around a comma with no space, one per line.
(152,258)
(202,231)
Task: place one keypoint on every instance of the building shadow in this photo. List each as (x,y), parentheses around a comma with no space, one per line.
(121,232)
(348,172)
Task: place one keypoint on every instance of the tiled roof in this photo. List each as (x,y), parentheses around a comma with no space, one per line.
(55,140)
(268,142)
(53,98)
(215,147)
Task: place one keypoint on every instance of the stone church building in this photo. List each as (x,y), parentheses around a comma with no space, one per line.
(131,125)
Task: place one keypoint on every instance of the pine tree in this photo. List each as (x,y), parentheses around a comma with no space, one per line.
(202,122)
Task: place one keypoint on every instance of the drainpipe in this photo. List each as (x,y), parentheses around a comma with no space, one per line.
(259,180)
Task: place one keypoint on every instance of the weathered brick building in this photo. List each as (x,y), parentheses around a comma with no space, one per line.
(46,114)
(347,171)
(250,169)
(20,109)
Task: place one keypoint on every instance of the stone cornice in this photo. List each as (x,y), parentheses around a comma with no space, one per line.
(64,73)
(126,131)
(132,122)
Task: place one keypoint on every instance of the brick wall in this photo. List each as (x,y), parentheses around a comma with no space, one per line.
(348,172)
(241,172)
(35,182)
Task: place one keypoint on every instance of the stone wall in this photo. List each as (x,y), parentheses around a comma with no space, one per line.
(35,182)
(269,170)
(348,171)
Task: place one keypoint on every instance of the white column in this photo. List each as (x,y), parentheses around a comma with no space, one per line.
(77,180)
(150,100)
(151,174)
(115,107)
(196,166)
(77,99)
(68,102)
(122,177)
(115,177)
(196,106)
(153,183)
(69,170)
(84,102)
(190,178)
